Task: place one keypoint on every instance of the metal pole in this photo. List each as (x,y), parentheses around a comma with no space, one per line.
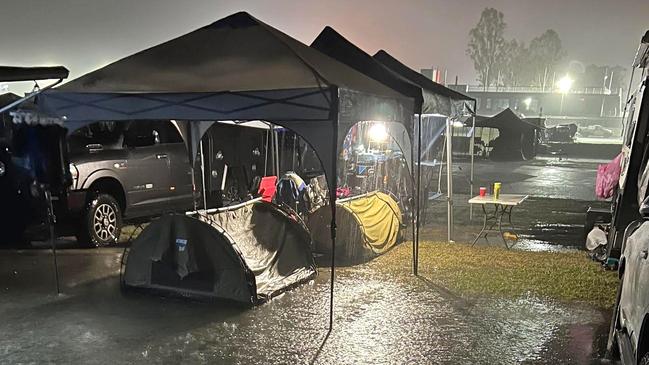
(266,154)
(203,175)
(449,176)
(332,202)
(27,97)
(51,218)
(472,153)
(192,163)
(414,203)
(418,208)
(276,151)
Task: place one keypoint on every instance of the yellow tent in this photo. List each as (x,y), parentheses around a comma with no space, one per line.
(367,225)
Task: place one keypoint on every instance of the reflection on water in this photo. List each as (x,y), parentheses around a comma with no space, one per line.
(379,319)
(526,244)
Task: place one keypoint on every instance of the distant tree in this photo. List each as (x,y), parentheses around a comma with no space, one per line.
(487,46)
(545,52)
(516,69)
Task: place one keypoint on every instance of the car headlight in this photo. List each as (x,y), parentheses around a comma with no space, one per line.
(2,169)
(74,172)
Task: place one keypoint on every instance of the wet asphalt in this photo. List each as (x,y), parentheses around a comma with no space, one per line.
(379,319)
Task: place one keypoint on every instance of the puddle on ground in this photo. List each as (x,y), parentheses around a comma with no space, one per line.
(379,319)
(526,244)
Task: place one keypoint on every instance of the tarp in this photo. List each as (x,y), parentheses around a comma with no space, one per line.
(369,225)
(246,254)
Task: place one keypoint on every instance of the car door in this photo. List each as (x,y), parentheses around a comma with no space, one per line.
(641,284)
(634,289)
(180,178)
(147,171)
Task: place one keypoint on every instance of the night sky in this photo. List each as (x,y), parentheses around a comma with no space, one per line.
(85,34)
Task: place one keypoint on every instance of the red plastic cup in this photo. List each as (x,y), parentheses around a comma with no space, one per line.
(483,191)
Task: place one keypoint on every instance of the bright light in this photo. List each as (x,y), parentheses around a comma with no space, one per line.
(458,124)
(378,133)
(564,84)
(527,102)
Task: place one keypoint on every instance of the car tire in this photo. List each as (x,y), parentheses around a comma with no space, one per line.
(101,222)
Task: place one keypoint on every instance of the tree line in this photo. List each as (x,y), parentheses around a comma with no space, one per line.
(502,62)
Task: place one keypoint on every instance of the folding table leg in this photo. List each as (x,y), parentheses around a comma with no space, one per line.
(484,226)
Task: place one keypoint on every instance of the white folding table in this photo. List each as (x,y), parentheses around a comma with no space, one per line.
(503,206)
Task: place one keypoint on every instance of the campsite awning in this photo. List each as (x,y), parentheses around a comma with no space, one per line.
(505,121)
(438,99)
(237,68)
(337,47)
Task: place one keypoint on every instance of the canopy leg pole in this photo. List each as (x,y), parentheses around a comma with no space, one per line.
(294,152)
(266,154)
(418,208)
(277,166)
(471,153)
(203,175)
(51,220)
(441,167)
(192,163)
(449,176)
(332,202)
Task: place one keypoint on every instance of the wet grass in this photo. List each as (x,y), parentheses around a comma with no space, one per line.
(496,271)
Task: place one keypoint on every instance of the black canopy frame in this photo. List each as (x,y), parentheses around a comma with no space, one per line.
(258,72)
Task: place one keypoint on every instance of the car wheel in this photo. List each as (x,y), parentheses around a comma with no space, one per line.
(102,222)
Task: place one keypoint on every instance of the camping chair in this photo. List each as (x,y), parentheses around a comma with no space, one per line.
(267,188)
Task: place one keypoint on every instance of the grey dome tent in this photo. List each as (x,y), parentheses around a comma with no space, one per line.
(239,69)
(246,253)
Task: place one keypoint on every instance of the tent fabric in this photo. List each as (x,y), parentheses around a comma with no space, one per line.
(337,47)
(237,68)
(334,45)
(437,99)
(274,245)
(185,256)
(369,226)
(248,255)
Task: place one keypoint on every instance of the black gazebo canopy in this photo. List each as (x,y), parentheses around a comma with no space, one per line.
(240,69)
